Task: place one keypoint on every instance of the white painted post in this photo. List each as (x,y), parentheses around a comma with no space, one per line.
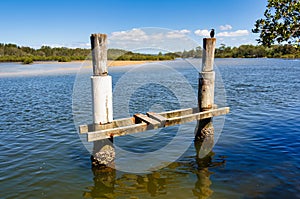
(102,99)
(103,150)
(101,81)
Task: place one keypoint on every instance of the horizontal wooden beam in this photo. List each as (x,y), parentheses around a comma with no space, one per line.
(140,122)
(152,124)
(196,116)
(177,113)
(115,123)
(110,133)
(161,119)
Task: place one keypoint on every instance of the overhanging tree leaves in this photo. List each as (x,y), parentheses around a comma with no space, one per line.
(281,23)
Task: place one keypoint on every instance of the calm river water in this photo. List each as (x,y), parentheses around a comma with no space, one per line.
(257,155)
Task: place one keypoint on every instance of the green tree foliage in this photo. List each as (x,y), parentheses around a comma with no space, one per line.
(14,53)
(28,60)
(281,23)
(195,53)
(27,55)
(248,51)
(251,51)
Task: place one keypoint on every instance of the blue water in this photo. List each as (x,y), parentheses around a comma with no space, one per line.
(256,155)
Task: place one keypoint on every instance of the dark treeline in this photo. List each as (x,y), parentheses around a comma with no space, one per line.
(116,54)
(247,51)
(14,53)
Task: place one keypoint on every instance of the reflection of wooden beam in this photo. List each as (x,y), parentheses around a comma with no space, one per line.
(140,122)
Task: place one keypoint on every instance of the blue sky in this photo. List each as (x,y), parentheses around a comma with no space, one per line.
(70,23)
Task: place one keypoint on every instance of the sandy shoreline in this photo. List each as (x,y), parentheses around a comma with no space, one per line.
(126,63)
(43,68)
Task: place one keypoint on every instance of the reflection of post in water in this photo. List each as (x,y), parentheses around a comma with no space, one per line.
(205,130)
(104,183)
(133,185)
(128,185)
(202,186)
(164,181)
(156,184)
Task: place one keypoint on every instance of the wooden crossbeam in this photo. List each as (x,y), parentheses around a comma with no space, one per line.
(196,116)
(119,131)
(140,122)
(115,123)
(152,124)
(161,119)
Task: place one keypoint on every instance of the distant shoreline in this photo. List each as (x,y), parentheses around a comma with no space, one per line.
(61,69)
(110,63)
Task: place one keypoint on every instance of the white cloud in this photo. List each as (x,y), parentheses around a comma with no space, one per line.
(154,38)
(226,27)
(204,33)
(157,36)
(184,31)
(134,34)
(233,33)
(177,33)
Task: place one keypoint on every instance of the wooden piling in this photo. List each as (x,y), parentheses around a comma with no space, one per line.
(207,75)
(99,54)
(205,129)
(103,150)
(101,81)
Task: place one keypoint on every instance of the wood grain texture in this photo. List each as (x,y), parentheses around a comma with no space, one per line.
(144,123)
(99,54)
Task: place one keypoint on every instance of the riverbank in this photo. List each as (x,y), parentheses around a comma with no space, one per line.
(8,69)
(110,63)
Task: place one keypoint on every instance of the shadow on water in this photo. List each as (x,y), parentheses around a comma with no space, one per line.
(164,183)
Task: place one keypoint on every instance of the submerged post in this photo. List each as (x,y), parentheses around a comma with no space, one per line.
(205,131)
(103,151)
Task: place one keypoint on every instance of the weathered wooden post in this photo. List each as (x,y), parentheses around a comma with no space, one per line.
(103,150)
(205,129)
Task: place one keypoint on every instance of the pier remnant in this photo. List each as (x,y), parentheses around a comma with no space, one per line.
(103,150)
(103,129)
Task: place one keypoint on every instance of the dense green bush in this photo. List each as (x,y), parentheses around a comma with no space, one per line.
(27,60)
(64,59)
(14,53)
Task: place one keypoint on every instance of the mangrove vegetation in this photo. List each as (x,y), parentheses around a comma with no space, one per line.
(27,55)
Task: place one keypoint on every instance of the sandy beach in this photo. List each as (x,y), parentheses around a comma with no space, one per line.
(126,63)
